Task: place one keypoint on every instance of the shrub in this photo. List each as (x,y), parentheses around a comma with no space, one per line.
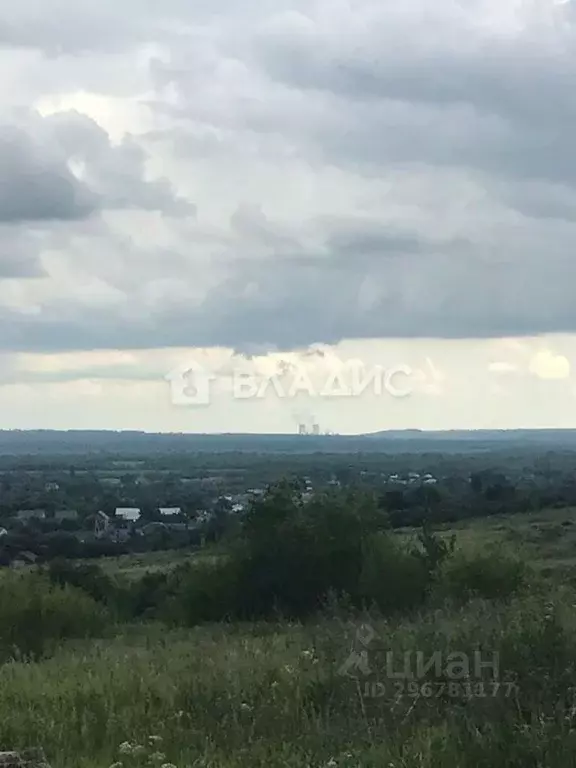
(394,577)
(118,598)
(88,577)
(36,614)
(196,594)
(295,553)
(491,574)
(291,556)
(143,596)
(434,551)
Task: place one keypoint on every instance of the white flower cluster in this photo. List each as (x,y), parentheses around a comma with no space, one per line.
(147,754)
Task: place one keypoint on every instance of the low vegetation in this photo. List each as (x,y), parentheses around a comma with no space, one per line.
(316,636)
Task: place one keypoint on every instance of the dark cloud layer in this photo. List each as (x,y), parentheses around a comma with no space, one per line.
(400,289)
(381,170)
(35,186)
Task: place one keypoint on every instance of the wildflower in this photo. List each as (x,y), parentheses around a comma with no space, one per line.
(307,654)
(167,765)
(154,738)
(289,669)
(125,748)
(116,765)
(245,707)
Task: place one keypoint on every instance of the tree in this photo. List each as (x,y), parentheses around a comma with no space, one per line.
(295,552)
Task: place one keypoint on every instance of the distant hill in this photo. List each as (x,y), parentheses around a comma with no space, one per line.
(480,435)
(47,442)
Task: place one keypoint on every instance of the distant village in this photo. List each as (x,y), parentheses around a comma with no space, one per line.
(91,506)
(165,526)
(117,505)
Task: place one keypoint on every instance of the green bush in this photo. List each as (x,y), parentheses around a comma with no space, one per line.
(492,574)
(36,614)
(291,556)
(197,594)
(88,577)
(393,576)
(296,553)
(142,597)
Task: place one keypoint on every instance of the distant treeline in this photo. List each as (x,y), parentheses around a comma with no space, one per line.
(41,442)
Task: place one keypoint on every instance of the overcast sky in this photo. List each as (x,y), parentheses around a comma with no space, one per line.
(287,186)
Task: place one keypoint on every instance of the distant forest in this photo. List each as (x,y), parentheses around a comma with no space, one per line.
(20,442)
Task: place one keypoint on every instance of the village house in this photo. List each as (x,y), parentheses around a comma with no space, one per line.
(170,511)
(31,514)
(128,514)
(23,560)
(111,481)
(65,514)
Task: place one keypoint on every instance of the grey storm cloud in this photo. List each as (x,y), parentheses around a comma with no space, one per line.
(500,104)
(380,169)
(66,27)
(273,305)
(37,183)
(35,186)
(117,174)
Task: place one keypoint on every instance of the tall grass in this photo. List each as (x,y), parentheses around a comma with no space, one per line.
(273,694)
(172,689)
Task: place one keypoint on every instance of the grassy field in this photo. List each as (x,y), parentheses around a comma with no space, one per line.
(546,538)
(135,566)
(276,694)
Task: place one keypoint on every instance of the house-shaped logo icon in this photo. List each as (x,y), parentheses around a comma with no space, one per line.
(190,384)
